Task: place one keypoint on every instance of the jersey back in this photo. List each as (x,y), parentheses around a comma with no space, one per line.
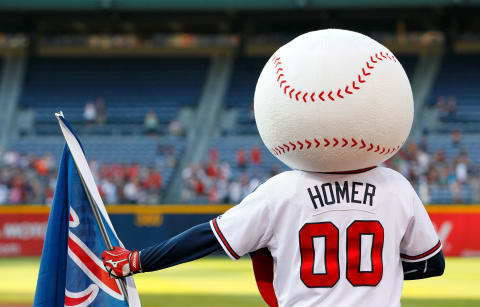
(335,239)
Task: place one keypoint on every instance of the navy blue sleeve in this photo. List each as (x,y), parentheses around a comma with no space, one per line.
(431,267)
(195,243)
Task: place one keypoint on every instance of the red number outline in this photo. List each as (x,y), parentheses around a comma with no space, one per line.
(307,275)
(354,275)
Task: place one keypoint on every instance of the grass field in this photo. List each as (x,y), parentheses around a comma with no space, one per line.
(222,282)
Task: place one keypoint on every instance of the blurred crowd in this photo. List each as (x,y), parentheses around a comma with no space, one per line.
(429,171)
(446,106)
(218,181)
(31,179)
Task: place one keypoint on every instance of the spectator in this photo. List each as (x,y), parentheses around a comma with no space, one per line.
(175,128)
(101,109)
(441,106)
(151,122)
(199,186)
(235,192)
(153,180)
(241,159)
(41,166)
(256,155)
(461,170)
(452,107)
(225,171)
(212,169)
(110,191)
(444,177)
(456,138)
(244,183)
(131,192)
(89,113)
(222,190)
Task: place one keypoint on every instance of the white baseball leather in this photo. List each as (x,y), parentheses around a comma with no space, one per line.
(333,100)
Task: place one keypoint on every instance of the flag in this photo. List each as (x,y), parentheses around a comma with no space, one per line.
(71,270)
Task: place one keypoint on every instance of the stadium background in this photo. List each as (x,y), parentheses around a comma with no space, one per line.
(160,93)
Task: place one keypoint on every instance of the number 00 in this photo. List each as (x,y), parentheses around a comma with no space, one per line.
(330,233)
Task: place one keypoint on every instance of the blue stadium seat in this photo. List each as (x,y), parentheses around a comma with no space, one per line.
(242,88)
(469,143)
(459,77)
(130,86)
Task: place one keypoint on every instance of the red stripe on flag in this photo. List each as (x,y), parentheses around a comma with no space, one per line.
(74,301)
(98,271)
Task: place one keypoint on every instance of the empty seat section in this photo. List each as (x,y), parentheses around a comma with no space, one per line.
(458,80)
(130,87)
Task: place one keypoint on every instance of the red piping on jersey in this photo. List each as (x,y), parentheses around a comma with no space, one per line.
(427,253)
(334,94)
(224,241)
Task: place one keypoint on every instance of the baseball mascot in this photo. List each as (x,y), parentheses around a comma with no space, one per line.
(338,229)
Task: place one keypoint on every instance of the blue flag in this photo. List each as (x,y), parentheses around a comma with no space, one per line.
(71,270)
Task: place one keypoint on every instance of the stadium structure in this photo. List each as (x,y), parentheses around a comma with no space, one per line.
(160,94)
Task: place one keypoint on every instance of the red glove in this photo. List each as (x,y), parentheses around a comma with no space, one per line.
(120,262)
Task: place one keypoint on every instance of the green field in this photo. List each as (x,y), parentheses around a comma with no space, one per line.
(222,282)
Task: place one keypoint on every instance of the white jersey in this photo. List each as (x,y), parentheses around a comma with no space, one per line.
(335,239)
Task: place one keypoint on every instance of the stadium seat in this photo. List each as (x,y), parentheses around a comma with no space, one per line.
(130,87)
(459,78)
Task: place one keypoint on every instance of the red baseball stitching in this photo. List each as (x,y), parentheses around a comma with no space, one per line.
(334,142)
(331,94)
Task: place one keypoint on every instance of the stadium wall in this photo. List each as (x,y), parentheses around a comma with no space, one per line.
(22,228)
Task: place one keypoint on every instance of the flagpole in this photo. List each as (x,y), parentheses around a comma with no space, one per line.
(103,232)
(98,218)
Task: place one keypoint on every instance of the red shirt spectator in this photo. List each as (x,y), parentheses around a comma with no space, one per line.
(105,171)
(154,180)
(241,158)
(117,171)
(132,172)
(199,187)
(256,155)
(212,170)
(41,166)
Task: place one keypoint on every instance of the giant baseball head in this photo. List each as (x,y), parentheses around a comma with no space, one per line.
(333,100)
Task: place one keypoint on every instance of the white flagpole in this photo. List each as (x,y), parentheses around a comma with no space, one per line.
(91,200)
